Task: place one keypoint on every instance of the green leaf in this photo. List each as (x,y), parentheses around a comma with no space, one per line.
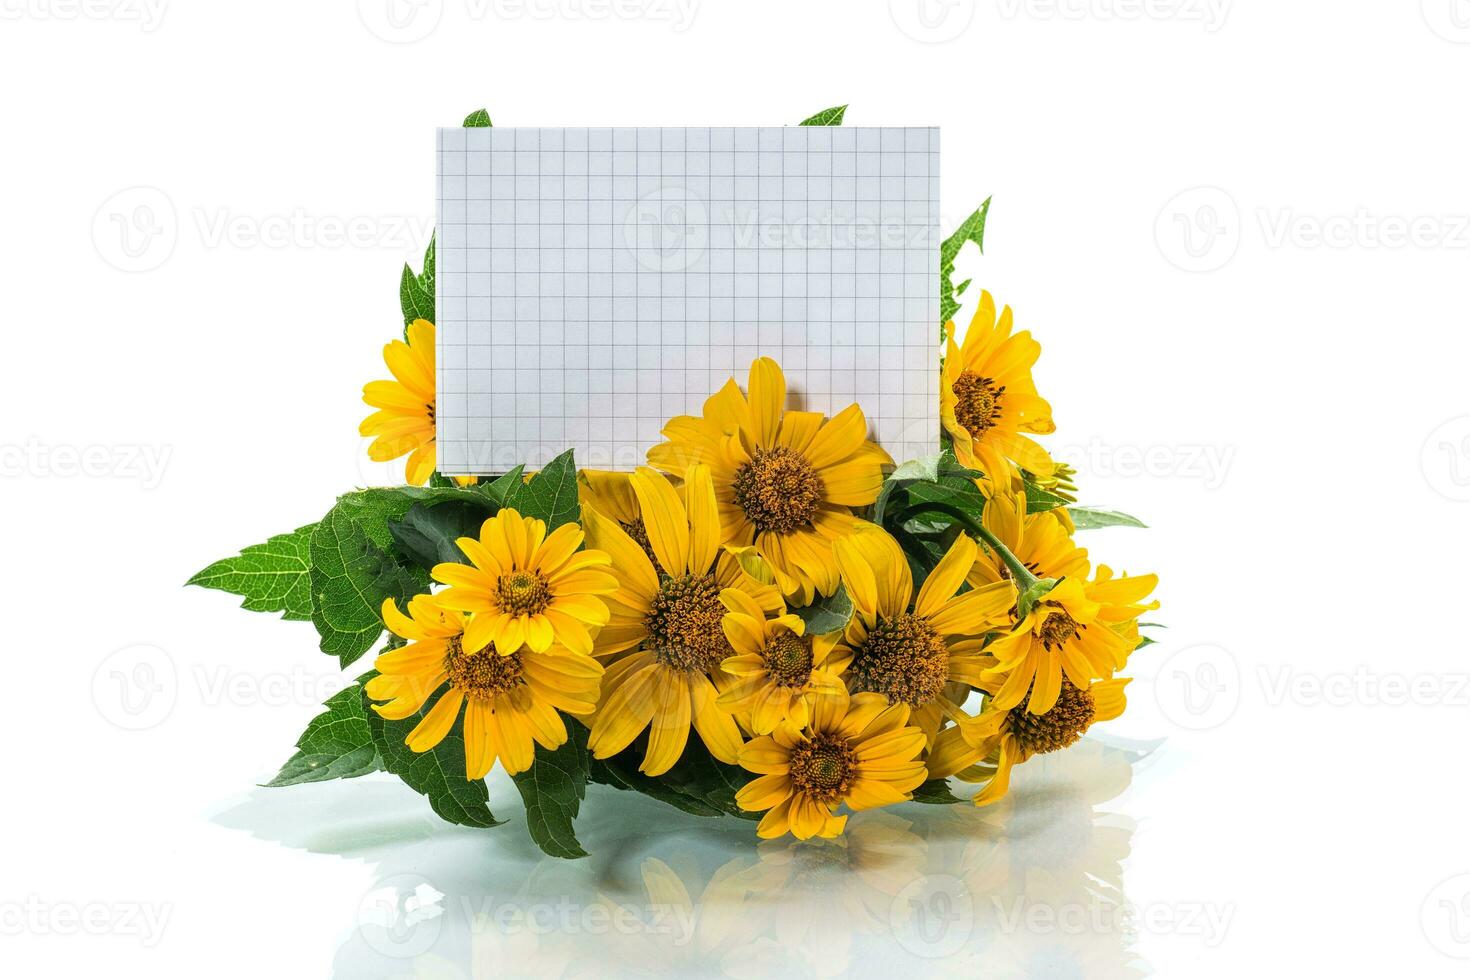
(936,791)
(827,614)
(427,533)
(621,772)
(972,229)
(426,278)
(925,468)
(931,478)
(337,744)
(553,789)
(953,491)
(705,778)
(479,117)
(438,774)
(1039,500)
(1088,518)
(551,494)
(503,484)
(417,304)
(273,577)
(928,481)
(352,571)
(827,117)
(949,466)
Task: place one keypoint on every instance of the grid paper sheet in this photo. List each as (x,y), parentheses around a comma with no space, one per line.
(593,283)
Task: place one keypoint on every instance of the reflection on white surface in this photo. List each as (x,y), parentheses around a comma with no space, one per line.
(1032,887)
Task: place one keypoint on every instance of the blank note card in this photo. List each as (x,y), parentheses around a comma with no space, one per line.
(593,283)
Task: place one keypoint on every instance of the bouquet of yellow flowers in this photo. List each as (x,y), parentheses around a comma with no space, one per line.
(770,620)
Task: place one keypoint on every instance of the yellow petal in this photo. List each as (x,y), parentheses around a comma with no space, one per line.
(716,728)
(704,518)
(626,712)
(840,438)
(665,518)
(764,792)
(436,724)
(948,575)
(767,401)
(669,728)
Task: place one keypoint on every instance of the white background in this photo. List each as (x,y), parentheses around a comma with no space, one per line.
(1270,370)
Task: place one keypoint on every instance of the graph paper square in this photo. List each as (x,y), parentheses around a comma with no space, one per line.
(593,283)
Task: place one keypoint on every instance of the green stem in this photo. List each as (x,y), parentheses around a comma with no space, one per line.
(1019,572)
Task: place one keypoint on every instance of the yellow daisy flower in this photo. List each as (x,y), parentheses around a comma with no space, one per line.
(1077,630)
(1011,736)
(1060,635)
(1057,639)
(404,420)
(920,654)
(779,668)
(525,587)
(664,624)
(988,400)
(510,700)
(858,750)
(785,481)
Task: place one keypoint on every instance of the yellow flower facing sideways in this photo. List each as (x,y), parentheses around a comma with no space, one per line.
(779,668)
(1064,635)
(510,701)
(1003,738)
(404,420)
(988,402)
(786,481)
(858,751)
(524,587)
(664,636)
(1082,630)
(922,651)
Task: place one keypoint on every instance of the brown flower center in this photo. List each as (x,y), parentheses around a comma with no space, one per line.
(484,674)
(683,624)
(789,659)
(779,489)
(824,767)
(638,531)
(1054,729)
(523,593)
(904,659)
(1058,629)
(977,403)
